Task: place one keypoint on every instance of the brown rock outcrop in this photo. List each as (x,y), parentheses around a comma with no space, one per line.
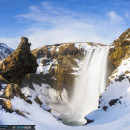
(121,49)
(7,105)
(19,63)
(8,93)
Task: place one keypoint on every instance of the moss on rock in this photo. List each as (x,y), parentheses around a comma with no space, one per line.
(19,63)
(8,93)
(121,49)
(7,105)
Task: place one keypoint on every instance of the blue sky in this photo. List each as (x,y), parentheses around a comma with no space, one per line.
(56,21)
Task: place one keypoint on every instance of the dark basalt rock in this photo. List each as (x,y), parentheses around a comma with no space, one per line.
(0,87)
(1,102)
(37,100)
(19,63)
(105,108)
(120,78)
(114,101)
(88,121)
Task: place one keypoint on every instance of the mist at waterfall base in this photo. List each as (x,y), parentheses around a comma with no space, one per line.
(89,85)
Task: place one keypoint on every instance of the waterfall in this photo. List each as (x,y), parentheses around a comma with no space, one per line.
(90,83)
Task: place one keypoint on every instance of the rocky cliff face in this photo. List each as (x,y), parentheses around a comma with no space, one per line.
(120,51)
(5,51)
(58,65)
(120,48)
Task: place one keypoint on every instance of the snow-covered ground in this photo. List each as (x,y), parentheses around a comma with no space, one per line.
(45,93)
(114,119)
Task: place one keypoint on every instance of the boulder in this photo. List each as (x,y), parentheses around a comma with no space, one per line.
(7,105)
(8,93)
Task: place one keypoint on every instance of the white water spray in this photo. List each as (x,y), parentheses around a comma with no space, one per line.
(91,82)
(88,87)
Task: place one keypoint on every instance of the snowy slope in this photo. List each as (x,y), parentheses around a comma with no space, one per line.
(119,86)
(4,51)
(116,117)
(114,106)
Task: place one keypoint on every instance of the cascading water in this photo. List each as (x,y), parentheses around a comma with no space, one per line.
(88,87)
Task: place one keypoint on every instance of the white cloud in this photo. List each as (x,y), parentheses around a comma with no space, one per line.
(34,9)
(126,14)
(74,32)
(11,42)
(114,17)
(50,24)
(47,5)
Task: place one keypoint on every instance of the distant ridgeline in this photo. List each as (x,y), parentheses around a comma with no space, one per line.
(4,51)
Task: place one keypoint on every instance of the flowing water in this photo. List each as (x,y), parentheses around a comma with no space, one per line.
(88,87)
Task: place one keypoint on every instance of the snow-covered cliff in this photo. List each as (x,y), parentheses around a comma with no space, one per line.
(4,51)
